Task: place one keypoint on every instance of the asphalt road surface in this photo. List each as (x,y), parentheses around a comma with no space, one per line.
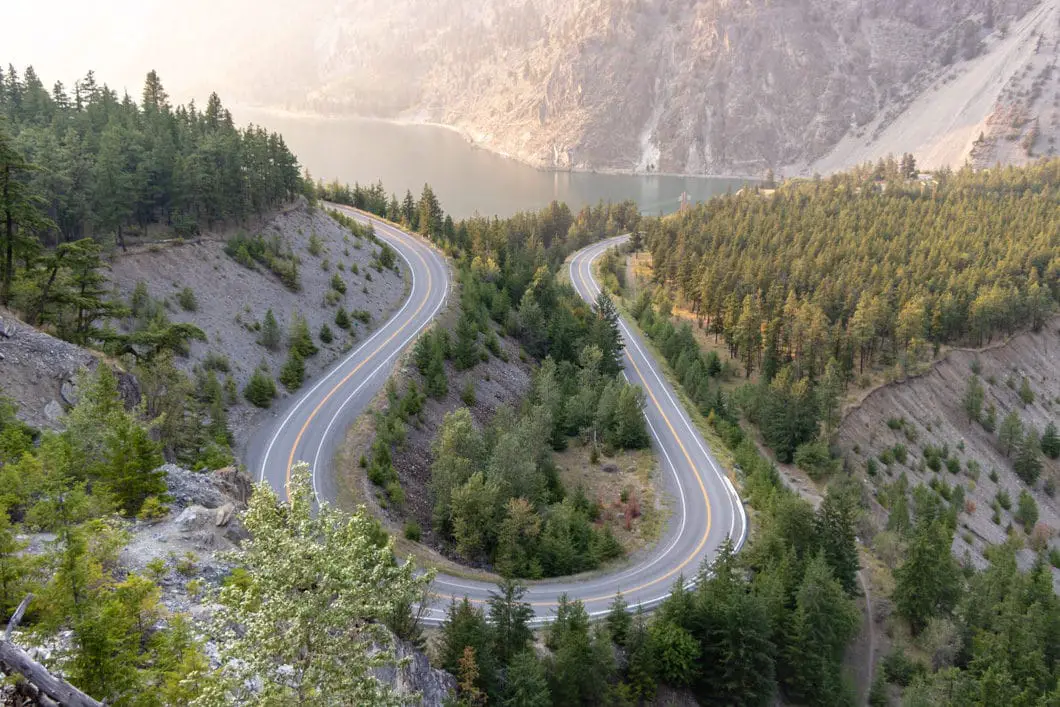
(704,506)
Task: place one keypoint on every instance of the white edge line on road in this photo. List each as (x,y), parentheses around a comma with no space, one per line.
(335,369)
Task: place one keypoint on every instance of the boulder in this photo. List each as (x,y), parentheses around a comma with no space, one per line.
(223,515)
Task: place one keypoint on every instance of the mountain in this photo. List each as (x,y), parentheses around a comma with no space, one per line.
(718,86)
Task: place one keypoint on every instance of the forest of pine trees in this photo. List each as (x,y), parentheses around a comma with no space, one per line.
(496,494)
(867,267)
(103,165)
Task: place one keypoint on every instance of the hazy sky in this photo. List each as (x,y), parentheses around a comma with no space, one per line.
(195,45)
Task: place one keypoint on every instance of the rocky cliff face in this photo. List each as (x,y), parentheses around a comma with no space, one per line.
(717,86)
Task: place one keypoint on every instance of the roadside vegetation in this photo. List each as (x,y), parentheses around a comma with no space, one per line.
(807,333)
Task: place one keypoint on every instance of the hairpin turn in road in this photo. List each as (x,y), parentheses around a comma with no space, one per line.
(705,508)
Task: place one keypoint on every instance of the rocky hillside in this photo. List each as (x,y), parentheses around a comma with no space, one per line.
(716,87)
(185,550)
(231,298)
(40,372)
(899,427)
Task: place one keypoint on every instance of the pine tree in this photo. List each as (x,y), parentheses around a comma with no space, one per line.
(465,627)
(270,332)
(292,375)
(510,618)
(526,684)
(1028,463)
(1010,435)
(20,212)
(466,351)
(342,319)
(261,388)
(824,621)
(837,530)
(113,192)
(1026,394)
(619,620)
(299,338)
(927,583)
(1051,441)
(973,399)
(606,336)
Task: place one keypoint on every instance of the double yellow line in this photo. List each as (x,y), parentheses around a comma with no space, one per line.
(691,464)
(640,375)
(359,366)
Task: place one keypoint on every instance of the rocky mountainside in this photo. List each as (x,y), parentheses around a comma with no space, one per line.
(926,412)
(706,87)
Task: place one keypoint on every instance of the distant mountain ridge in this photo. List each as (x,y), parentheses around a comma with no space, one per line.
(712,87)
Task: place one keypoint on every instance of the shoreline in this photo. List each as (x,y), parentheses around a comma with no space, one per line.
(413,121)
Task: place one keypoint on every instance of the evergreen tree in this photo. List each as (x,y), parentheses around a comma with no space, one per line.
(465,627)
(270,332)
(466,351)
(510,618)
(927,583)
(1026,394)
(526,684)
(299,339)
(292,375)
(619,620)
(20,211)
(824,621)
(1028,464)
(605,335)
(261,388)
(973,399)
(837,532)
(1050,442)
(1010,435)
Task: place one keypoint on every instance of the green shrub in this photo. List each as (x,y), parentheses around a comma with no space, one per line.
(153,509)
(315,246)
(187,300)
(326,336)
(899,669)
(1003,499)
(1026,511)
(814,458)
(338,284)
(467,393)
(342,319)
(292,375)
(216,362)
(413,531)
(186,565)
(260,389)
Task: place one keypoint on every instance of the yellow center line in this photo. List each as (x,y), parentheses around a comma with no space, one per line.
(313,414)
(695,470)
(688,458)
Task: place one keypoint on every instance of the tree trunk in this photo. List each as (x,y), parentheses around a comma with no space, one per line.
(9,242)
(121,239)
(46,688)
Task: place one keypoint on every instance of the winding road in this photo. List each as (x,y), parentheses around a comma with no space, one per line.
(705,508)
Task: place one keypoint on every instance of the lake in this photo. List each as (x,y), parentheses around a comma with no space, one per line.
(466,179)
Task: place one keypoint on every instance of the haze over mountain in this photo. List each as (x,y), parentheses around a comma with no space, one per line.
(717,87)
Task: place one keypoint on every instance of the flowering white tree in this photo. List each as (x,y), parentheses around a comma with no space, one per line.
(303,625)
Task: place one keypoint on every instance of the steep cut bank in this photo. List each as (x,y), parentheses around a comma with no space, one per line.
(926,414)
(335,270)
